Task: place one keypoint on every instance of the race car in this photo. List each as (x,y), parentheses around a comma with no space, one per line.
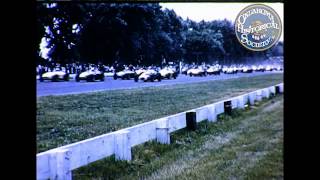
(196,72)
(109,72)
(149,75)
(246,69)
(140,71)
(168,73)
(90,75)
(260,68)
(269,68)
(213,70)
(278,68)
(125,74)
(229,70)
(55,76)
(184,70)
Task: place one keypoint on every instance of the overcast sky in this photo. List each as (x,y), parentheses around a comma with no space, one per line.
(216,11)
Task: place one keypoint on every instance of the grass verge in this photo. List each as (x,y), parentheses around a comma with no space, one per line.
(66,119)
(246,145)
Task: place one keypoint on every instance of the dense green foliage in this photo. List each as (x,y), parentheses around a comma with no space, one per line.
(136,33)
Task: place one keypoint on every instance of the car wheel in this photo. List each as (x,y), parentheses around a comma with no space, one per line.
(90,78)
(54,78)
(66,77)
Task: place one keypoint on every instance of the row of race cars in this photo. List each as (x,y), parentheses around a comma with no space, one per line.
(153,73)
(233,69)
(93,74)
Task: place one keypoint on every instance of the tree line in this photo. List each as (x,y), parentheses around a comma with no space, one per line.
(136,33)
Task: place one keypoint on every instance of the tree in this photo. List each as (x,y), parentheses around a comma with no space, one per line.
(136,33)
(59,18)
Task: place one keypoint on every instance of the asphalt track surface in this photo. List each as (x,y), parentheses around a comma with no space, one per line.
(47,88)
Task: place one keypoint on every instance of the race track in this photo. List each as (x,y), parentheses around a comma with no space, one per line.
(62,88)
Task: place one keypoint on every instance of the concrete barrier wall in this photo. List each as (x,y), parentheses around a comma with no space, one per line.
(281,87)
(43,165)
(259,95)
(142,133)
(272,90)
(219,107)
(201,114)
(177,121)
(241,101)
(212,115)
(58,163)
(265,93)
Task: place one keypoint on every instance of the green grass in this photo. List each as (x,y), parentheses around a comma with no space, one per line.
(246,145)
(66,119)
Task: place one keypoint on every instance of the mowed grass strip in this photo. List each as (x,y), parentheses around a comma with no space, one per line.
(66,119)
(246,145)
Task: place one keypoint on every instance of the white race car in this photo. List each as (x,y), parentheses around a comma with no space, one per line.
(260,68)
(149,75)
(109,72)
(246,69)
(196,72)
(168,73)
(184,70)
(229,70)
(269,68)
(54,76)
(90,75)
(278,68)
(213,70)
(125,74)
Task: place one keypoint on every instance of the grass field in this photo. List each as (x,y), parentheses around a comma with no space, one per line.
(65,119)
(246,145)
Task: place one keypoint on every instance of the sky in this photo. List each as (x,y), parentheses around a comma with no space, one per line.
(216,11)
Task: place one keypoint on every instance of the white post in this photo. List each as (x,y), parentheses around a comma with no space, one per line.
(259,95)
(281,88)
(201,114)
(272,90)
(122,145)
(212,116)
(162,131)
(60,164)
(241,102)
(252,97)
(163,135)
(265,93)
